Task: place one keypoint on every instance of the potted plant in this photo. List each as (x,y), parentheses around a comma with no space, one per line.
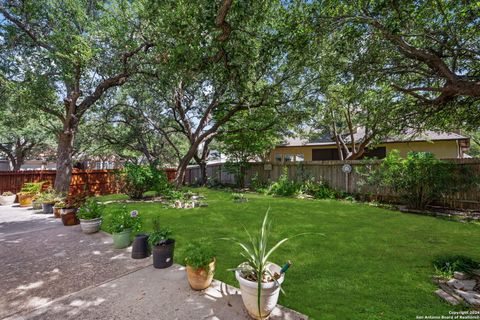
(47,200)
(7,198)
(122,224)
(69,212)
(58,206)
(200,262)
(260,280)
(162,246)
(90,215)
(28,192)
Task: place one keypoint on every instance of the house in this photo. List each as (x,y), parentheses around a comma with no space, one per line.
(443,145)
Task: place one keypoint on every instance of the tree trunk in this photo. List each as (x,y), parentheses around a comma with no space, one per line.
(64,160)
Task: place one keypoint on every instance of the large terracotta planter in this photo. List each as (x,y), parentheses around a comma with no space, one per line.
(69,217)
(121,239)
(7,200)
(25,200)
(90,226)
(200,279)
(268,297)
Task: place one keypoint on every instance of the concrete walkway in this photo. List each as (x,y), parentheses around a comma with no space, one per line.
(54,272)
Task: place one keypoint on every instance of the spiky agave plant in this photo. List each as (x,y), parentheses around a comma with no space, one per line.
(257,253)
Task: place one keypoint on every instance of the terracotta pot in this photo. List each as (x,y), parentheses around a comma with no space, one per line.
(25,200)
(57,212)
(7,200)
(200,279)
(69,217)
(268,296)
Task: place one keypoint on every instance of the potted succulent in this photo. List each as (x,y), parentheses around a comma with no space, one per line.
(7,198)
(162,246)
(122,224)
(90,215)
(260,280)
(69,212)
(28,192)
(47,200)
(200,262)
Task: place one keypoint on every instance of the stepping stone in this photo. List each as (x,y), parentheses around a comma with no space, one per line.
(472,297)
(448,298)
(460,275)
(466,285)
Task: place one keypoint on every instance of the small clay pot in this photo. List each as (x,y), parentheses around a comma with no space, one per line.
(163,254)
(57,212)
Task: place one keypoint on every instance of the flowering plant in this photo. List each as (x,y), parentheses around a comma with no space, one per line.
(124,220)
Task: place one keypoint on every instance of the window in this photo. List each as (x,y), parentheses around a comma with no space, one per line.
(289,157)
(299,157)
(278,157)
(325,154)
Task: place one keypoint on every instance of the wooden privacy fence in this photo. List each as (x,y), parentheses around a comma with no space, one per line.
(96,182)
(331,172)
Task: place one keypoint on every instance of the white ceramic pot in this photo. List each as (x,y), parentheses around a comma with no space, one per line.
(90,226)
(268,297)
(7,200)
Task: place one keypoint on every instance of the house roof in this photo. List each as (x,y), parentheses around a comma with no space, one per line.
(408,136)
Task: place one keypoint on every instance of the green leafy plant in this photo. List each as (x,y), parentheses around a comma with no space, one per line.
(123,220)
(445,266)
(91,210)
(32,188)
(199,254)
(142,178)
(160,234)
(257,253)
(49,196)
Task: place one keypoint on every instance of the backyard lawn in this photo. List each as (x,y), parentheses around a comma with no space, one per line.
(371,263)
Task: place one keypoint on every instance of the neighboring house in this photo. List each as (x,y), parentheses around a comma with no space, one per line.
(442,145)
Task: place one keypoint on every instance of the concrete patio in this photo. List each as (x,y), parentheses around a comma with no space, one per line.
(54,272)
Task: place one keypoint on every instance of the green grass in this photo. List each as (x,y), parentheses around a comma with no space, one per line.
(372,263)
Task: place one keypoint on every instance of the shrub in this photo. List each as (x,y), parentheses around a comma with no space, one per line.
(142,178)
(318,190)
(420,179)
(32,188)
(283,186)
(199,254)
(447,265)
(257,184)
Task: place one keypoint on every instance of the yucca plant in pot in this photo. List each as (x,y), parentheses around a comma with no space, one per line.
(260,280)
(122,224)
(7,198)
(90,215)
(200,262)
(162,245)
